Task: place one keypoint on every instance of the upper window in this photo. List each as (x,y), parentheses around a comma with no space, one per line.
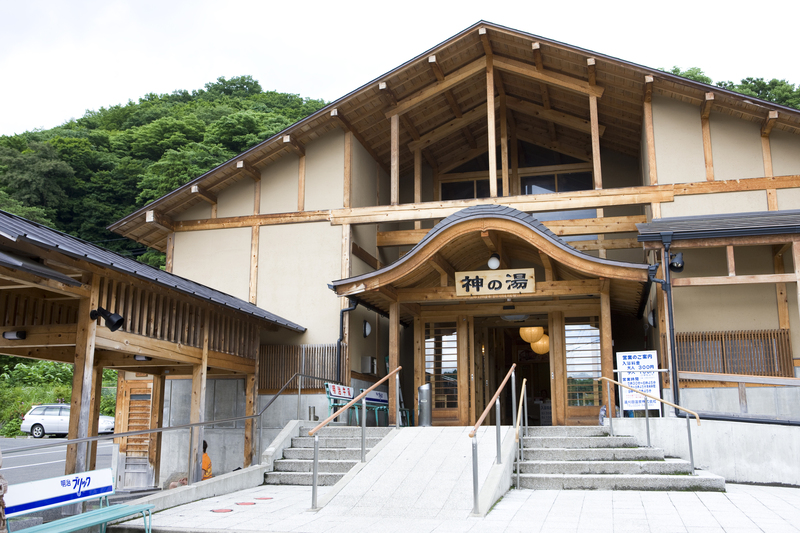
(550,183)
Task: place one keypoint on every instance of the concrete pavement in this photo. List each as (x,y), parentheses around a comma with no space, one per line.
(742,509)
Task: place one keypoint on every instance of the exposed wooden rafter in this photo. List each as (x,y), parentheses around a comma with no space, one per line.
(249,170)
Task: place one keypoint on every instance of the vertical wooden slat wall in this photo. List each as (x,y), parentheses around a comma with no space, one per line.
(278,363)
(758,353)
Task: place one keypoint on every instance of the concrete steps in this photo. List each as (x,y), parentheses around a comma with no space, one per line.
(339,451)
(588,458)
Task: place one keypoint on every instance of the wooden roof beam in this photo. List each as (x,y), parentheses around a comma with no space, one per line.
(592,68)
(550,115)
(448,94)
(203,194)
(340,119)
(449,128)
(487,45)
(159,220)
(537,56)
(551,78)
(467,71)
(532,138)
(245,167)
(446,271)
(493,243)
(294,145)
(769,122)
(708,102)
(648,88)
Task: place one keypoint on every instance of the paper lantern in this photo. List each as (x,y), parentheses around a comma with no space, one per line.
(531,334)
(542,346)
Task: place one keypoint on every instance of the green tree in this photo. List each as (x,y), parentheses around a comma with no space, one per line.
(778,91)
(694,73)
(240,131)
(238,87)
(177,167)
(36,177)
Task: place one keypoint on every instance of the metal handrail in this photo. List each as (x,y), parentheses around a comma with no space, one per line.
(521,442)
(688,421)
(496,401)
(172,428)
(348,405)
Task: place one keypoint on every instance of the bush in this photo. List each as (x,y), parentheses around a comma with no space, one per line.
(11,428)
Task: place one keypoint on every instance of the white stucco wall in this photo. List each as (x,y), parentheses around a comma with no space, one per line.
(325,171)
(678,141)
(217,258)
(736,147)
(279,183)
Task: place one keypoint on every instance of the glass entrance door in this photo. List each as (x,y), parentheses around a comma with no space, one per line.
(441,370)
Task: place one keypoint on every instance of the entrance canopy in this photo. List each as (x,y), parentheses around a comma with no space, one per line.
(424,280)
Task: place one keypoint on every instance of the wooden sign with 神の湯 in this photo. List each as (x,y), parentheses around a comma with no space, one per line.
(495,282)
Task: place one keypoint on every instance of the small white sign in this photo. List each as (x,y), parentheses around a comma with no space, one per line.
(646,382)
(23,498)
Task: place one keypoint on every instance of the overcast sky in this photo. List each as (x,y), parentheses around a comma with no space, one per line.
(59,58)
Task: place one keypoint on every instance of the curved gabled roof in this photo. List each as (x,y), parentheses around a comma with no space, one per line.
(491,211)
(458,239)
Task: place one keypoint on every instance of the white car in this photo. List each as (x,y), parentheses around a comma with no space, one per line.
(53,419)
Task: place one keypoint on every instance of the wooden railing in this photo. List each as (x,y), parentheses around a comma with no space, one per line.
(166,316)
(757,353)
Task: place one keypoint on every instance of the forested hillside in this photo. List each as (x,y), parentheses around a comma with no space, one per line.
(90,172)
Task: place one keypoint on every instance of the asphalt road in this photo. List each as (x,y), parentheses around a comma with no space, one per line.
(19,467)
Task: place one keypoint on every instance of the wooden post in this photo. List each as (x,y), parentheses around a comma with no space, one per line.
(492,137)
(156,421)
(705,112)
(780,289)
(463,369)
(94,417)
(558,394)
(472,370)
(251,405)
(255,233)
(347,239)
(606,349)
(417,182)
(395,157)
(766,152)
(504,146)
(348,168)
(394,357)
(796,261)
(170,251)
(301,183)
(76,460)
(650,142)
(596,160)
(198,406)
(419,359)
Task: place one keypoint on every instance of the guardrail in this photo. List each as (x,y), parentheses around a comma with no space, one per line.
(194,471)
(344,408)
(521,414)
(688,420)
(496,401)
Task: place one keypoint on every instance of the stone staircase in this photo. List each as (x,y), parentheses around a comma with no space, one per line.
(339,451)
(588,458)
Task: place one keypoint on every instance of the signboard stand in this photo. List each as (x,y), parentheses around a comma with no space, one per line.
(638,370)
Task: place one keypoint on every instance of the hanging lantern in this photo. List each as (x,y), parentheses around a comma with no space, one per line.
(542,346)
(531,334)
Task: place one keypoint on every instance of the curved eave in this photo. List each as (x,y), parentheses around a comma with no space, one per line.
(490,218)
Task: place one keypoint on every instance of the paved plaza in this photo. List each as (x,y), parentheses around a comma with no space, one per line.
(743,509)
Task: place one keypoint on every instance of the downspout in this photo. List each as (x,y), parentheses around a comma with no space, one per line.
(353,304)
(666,240)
